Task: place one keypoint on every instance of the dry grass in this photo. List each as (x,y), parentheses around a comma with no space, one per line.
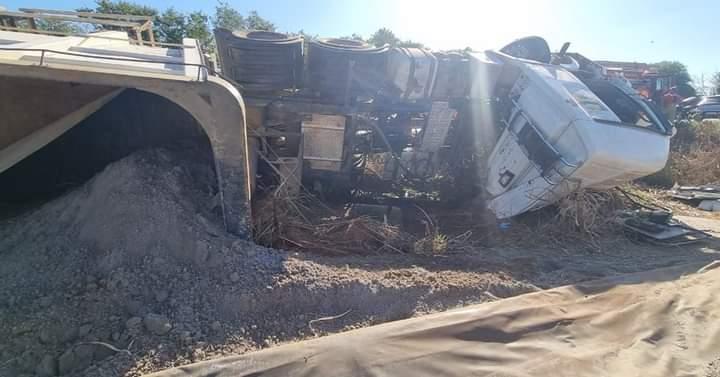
(587,213)
(694,159)
(583,220)
(303,223)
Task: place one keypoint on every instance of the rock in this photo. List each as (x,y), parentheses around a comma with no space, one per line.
(84,355)
(27,361)
(161,295)
(22,342)
(49,335)
(70,334)
(234,277)
(102,352)
(76,358)
(201,252)
(67,362)
(133,307)
(100,334)
(48,367)
(45,301)
(21,329)
(198,354)
(246,301)
(157,324)
(133,323)
(185,337)
(84,330)
(216,326)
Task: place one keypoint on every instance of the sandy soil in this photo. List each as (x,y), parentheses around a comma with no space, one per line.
(132,273)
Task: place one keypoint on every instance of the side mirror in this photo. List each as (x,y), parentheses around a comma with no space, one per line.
(673,131)
(564,48)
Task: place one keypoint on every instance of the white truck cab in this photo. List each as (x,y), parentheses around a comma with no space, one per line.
(559,133)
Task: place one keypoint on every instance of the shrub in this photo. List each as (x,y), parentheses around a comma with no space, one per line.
(694,157)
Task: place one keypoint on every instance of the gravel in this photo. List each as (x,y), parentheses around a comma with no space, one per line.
(132,273)
(157,324)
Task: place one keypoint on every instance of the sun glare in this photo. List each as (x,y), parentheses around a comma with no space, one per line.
(477,24)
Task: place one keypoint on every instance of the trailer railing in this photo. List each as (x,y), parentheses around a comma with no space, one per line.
(202,69)
(134,24)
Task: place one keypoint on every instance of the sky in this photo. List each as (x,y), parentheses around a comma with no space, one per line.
(637,30)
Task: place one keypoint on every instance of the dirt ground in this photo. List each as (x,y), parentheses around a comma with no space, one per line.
(132,273)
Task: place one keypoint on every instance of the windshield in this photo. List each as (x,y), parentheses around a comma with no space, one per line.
(629,110)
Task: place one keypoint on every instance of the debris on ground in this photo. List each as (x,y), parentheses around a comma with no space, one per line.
(304,223)
(705,197)
(659,227)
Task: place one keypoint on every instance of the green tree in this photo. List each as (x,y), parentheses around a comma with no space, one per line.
(198,28)
(384,36)
(681,77)
(121,7)
(673,68)
(227,17)
(172,26)
(255,22)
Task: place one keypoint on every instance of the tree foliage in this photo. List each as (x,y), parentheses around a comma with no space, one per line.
(674,68)
(678,71)
(255,22)
(230,18)
(384,36)
(121,7)
(198,28)
(171,26)
(227,17)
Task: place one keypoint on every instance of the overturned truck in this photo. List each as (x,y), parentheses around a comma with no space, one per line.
(518,128)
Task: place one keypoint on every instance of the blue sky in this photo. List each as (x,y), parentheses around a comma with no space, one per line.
(639,30)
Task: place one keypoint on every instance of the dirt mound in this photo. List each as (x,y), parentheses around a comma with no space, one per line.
(132,272)
(148,203)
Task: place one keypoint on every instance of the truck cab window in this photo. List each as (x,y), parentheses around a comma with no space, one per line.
(630,111)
